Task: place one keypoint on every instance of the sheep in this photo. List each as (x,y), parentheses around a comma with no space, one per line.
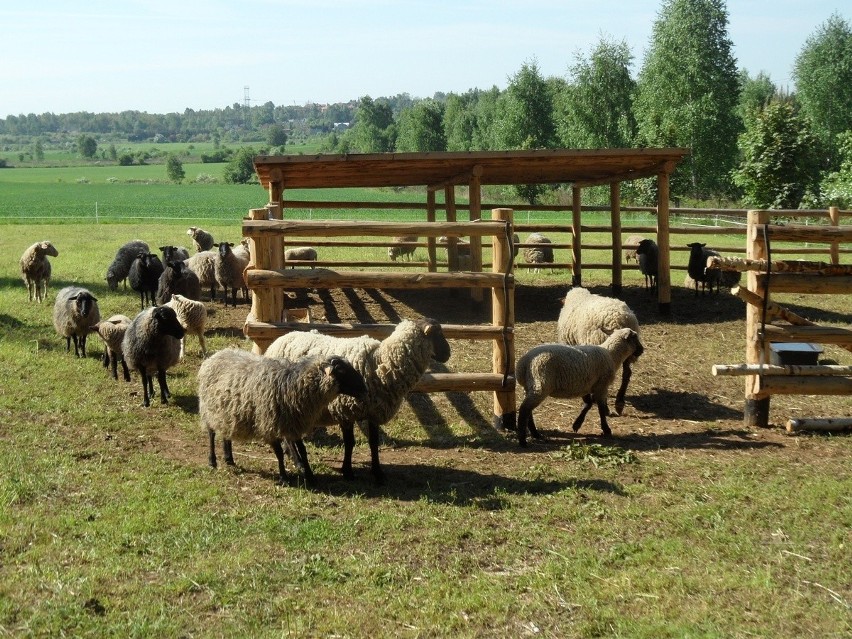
(390,367)
(538,254)
(301,253)
(229,266)
(560,370)
(647,254)
(35,269)
(120,267)
(203,264)
(192,315)
(697,267)
(586,318)
(462,252)
(111,331)
(177,278)
(151,345)
(144,276)
(400,250)
(174,253)
(201,239)
(242,395)
(74,312)
(630,252)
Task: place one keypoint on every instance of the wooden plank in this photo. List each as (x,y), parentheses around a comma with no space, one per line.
(324,279)
(793,385)
(805,233)
(271,330)
(823,424)
(463,382)
(342,228)
(816,334)
(806,283)
(736,370)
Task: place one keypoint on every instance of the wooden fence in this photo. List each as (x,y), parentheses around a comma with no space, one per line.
(267,278)
(766,276)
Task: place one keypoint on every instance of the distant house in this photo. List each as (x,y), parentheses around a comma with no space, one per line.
(340,126)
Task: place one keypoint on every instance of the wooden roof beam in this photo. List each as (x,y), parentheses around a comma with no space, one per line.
(461,178)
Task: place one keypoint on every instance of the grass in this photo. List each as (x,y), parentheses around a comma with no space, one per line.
(111,524)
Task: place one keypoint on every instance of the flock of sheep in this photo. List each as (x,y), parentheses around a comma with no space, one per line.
(307,380)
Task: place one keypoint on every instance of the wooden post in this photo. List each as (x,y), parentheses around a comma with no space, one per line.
(276,191)
(267,304)
(615,223)
(757,351)
(452,240)
(430,241)
(503,314)
(576,253)
(475,200)
(664,276)
(834,216)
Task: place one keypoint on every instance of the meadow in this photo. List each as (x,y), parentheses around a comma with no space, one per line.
(684,524)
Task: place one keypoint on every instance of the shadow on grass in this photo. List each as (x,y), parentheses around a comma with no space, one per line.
(668,404)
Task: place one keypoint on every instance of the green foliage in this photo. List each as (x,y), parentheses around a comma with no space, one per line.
(687,94)
(755,94)
(836,187)
(174,169)
(823,75)
(126,159)
(38,150)
(374,130)
(459,122)
(421,128)
(780,158)
(595,110)
(276,135)
(87,145)
(240,168)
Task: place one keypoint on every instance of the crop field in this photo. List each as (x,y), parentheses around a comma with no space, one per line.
(683,524)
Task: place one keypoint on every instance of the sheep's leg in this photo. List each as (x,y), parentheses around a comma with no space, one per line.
(113,364)
(587,404)
(147,383)
(626,374)
(83,346)
(300,458)
(211,454)
(602,411)
(164,387)
(203,343)
(125,370)
(68,344)
(348,431)
(228,450)
(279,455)
(525,420)
(373,437)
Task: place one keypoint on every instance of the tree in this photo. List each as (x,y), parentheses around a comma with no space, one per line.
(836,187)
(459,122)
(755,94)
(687,93)
(38,150)
(276,135)
(374,130)
(240,168)
(421,128)
(525,119)
(87,145)
(780,158)
(823,75)
(174,169)
(595,110)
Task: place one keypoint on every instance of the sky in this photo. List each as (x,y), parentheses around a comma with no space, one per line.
(163,56)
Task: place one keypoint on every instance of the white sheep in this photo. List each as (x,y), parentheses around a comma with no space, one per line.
(111,331)
(192,315)
(390,367)
(300,254)
(202,240)
(404,249)
(203,264)
(229,267)
(586,318)
(151,345)
(630,251)
(243,396)
(559,370)
(120,267)
(542,254)
(35,269)
(74,313)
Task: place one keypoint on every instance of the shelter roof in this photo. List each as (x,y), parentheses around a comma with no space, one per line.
(582,167)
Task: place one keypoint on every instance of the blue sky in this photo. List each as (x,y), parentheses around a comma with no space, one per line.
(162,56)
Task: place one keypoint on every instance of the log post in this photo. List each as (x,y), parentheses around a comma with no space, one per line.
(475,201)
(757,351)
(452,240)
(430,241)
(664,276)
(503,314)
(267,303)
(834,216)
(576,236)
(615,222)
(276,191)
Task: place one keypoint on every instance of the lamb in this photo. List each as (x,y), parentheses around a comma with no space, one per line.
(400,250)
(203,264)
(35,269)
(630,253)
(74,313)
(192,315)
(586,318)
(174,253)
(120,267)
(177,278)
(697,267)
(112,331)
(144,276)
(559,370)
(229,267)
(201,239)
(648,254)
(390,367)
(151,345)
(301,253)
(242,395)
(538,254)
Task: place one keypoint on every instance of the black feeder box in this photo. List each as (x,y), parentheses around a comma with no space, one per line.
(794,354)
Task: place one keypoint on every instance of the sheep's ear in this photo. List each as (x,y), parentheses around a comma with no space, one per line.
(607,331)
(74,297)
(94,299)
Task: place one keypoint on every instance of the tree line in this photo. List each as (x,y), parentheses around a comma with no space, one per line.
(749,140)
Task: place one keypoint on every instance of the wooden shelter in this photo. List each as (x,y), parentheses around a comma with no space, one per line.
(444,171)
